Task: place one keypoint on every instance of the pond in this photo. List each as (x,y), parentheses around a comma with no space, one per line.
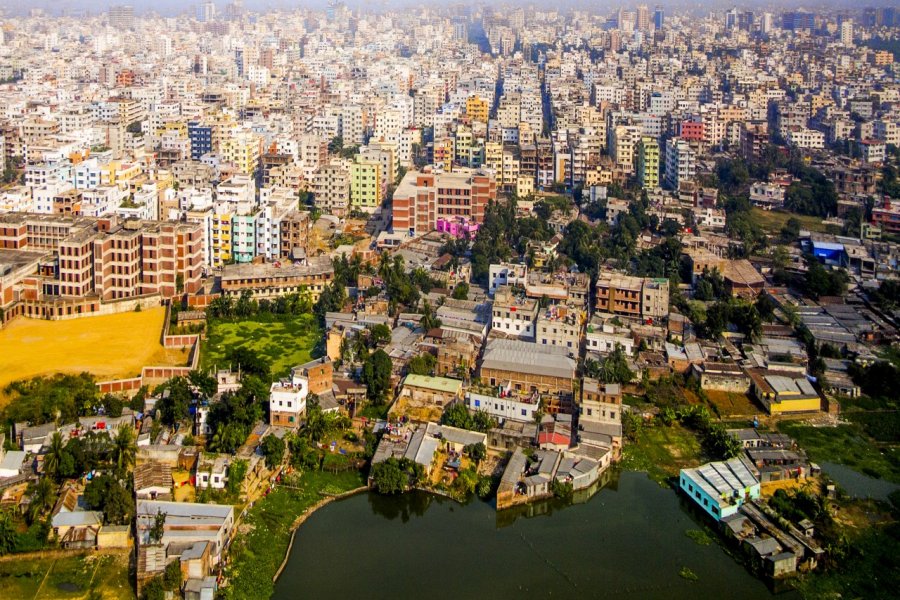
(857,484)
(628,541)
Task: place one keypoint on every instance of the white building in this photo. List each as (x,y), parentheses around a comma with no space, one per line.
(506,274)
(504,406)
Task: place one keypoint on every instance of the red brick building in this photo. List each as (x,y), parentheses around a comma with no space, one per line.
(422,198)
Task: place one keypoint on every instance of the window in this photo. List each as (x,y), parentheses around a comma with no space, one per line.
(524,413)
(478,403)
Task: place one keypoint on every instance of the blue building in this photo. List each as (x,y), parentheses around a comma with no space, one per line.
(829,253)
(720,488)
(201,139)
(659,17)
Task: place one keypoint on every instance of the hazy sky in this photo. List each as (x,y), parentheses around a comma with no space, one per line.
(172,7)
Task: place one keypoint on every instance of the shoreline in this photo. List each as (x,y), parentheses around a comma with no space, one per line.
(308,513)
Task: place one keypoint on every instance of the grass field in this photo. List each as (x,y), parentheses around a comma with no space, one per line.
(730,404)
(284,343)
(71,577)
(109,346)
(772,221)
(662,451)
(846,445)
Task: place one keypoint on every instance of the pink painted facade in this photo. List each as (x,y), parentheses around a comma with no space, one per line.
(457,228)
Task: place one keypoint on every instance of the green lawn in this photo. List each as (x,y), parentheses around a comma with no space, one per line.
(283,342)
(772,220)
(662,451)
(93,575)
(847,445)
(259,548)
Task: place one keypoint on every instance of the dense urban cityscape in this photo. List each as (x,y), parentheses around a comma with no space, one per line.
(600,300)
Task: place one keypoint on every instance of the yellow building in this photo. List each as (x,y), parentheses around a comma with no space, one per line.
(648,162)
(524,186)
(242,151)
(493,157)
(220,239)
(784,392)
(477,109)
(365,185)
(116,172)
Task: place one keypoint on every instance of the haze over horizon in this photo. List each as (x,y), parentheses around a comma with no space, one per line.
(176,7)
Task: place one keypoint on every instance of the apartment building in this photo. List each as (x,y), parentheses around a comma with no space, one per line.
(681,162)
(637,297)
(331,188)
(648,162)
(424,197)
(366,185)
(294,240)
(513,315)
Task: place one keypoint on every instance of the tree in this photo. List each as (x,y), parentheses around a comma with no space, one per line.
(377,376)
(822,282)
(379,335)
(106,494)
(158,528)
(42,498)
(171,578)
(429,320)
(614,368)
(457,415)
(124,450)
(53,457)
(8,535)
(204,382)
(461,291)
(422,364)
(174,406)
(273,450)
(887,296)
(237,470)
(388,477)
(250,363)
(476,452)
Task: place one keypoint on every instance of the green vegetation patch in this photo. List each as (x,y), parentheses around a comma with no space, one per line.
(699,536)
(847,445)
(773,221)
(93,575)
(283,342)
(662,451)
(259,548)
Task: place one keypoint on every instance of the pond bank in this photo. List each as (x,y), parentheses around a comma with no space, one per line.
(307,514)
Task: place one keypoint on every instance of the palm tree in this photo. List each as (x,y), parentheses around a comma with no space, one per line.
(41,499)
(124,450)
(54,454)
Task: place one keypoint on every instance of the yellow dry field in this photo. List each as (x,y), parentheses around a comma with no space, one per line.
(109,346)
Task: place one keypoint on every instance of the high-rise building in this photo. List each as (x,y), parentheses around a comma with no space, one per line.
(681,162)
(766,22)
(206,12)
(798,21)
(643,18)
(847,33)
(731,19)
(121,16)
(648,162)
(659,17)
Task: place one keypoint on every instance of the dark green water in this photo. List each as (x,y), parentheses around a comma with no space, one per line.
(628,541)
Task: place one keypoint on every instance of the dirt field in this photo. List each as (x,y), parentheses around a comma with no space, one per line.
(110,346)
